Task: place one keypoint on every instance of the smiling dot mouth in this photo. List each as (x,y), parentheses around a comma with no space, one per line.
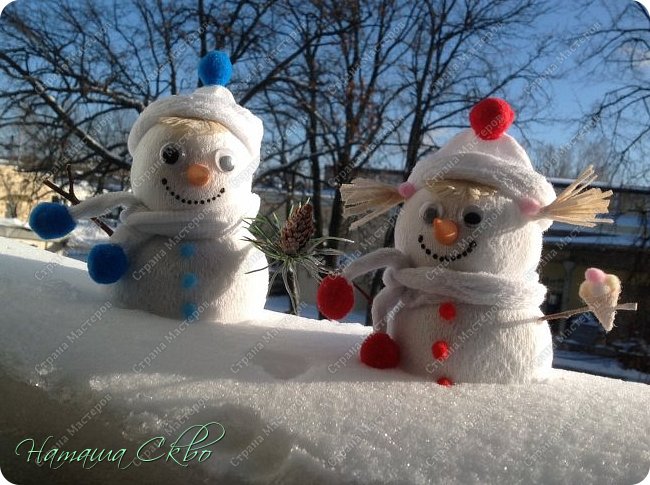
(445,257)
(188,201)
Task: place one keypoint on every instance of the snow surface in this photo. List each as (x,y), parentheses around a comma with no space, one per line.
(296,405)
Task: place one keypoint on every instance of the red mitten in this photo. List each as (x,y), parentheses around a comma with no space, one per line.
(379,351)
(335,297)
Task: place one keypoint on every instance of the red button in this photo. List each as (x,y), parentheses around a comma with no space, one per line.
(444,381)
(440,350)
(447,310)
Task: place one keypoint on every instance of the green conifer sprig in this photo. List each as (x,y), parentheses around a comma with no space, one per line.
(291,246)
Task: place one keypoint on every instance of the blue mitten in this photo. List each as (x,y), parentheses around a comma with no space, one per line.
(107,263)
(51,220)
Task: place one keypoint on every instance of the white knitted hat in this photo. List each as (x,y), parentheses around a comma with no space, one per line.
(213,102)
(486,154)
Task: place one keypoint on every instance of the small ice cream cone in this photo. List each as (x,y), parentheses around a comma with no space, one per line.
(600,291)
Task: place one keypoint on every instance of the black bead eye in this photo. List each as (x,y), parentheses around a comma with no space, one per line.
(429,212)
(225,163)
(170,153)
(472,215)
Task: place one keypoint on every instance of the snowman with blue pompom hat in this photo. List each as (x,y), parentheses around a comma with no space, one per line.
(180,250)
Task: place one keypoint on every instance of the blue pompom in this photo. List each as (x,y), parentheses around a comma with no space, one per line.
(107,263)
(189,281)
(187,250)
(215,68)
(50,220)
(190,311)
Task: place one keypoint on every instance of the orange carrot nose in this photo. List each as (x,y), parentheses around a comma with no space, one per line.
(197,175)
(445,231)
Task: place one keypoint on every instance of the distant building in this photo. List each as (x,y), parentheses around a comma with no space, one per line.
(20,191)
(622,248)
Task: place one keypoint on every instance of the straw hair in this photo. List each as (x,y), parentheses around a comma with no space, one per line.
(368,198)
(198,126)
(578,206)
(463,189)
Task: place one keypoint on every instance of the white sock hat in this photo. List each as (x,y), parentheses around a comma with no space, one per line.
(213,102)
(487,155)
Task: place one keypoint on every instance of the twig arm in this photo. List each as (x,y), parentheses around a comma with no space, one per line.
(72,198)
(568,313)
(365,294)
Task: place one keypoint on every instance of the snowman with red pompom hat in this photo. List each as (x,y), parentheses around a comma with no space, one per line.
(462,293)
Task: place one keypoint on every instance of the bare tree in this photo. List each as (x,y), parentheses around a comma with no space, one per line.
(394,73)
(618,52)
(568,160)
(82,71)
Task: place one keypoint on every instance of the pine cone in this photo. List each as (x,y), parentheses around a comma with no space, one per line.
(297,230)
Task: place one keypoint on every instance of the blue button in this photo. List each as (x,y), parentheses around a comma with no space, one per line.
(189,280)
(187,250)
(190,311)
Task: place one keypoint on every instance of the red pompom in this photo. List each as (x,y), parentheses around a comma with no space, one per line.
(445,381)
(335,297)
(379,351)
(447,311)
(491,118)
(440,350)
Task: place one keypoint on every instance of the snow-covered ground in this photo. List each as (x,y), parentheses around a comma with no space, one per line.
(562,359)
(295,404)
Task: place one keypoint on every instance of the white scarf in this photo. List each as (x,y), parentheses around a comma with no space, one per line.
(434,285)
(424,285)
(215,221)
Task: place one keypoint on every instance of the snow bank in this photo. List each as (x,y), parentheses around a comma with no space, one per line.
(295,404)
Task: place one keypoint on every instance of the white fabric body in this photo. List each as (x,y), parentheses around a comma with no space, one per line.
(494,289)
(165,213)
(229,288)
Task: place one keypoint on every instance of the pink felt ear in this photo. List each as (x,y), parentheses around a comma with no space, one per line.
(595,275)
(529,207)
(406,189)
